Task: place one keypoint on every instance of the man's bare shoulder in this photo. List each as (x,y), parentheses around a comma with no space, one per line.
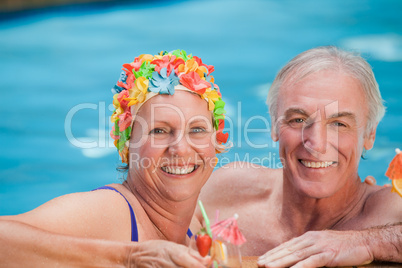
(240,180)
(380,207)
(385,204)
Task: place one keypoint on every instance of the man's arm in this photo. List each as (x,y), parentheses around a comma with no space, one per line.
(338,248)
(385,242)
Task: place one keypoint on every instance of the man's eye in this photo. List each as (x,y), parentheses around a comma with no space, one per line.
(338,124)
(297,121)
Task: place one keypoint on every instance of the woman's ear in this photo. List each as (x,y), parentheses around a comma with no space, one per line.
(369,139)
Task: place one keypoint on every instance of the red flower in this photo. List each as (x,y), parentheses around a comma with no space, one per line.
(176,65)
(193,82)
(165,62)
(210,68)
(125,120)
(112,134)
(220,136)
(121,99)
(136,64)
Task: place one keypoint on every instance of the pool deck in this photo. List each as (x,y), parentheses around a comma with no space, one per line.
(20,5)
(251,262)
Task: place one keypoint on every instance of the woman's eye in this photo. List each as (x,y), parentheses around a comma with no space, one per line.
(197,130)
(157,131)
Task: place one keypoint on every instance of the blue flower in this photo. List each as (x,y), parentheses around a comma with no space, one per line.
(208,79)
(117,89)
(163,84)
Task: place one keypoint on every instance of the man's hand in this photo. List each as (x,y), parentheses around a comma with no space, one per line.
(370,180)
(320,248)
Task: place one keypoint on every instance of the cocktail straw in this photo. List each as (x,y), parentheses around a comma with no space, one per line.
(204,214)
(216,216)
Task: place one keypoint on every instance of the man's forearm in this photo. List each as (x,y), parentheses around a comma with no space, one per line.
(385,242)
(22,245)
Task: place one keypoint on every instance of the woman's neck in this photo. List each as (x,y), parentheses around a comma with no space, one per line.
(171,219)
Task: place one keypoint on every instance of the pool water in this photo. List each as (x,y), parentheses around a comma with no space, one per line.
(57,67)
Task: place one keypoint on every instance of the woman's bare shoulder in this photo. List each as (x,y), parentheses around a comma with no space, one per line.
(87,214)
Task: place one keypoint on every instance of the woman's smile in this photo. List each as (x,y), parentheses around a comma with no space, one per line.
(179,170)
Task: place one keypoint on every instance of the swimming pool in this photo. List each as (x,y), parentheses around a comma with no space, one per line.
(57,68)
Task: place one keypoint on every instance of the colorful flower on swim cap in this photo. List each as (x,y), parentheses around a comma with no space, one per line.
(220,136)
(117,89)
(139,92)
(162,83)
(219,112)
(145,70)
(170,62)
(179,53)
(193,82)
(211,96)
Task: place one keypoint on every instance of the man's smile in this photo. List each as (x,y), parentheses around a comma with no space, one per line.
(315,164)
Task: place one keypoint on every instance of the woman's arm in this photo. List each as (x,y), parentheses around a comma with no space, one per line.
(22,245)
(81,230)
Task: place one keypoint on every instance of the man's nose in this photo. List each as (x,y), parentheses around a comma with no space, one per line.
(315,137)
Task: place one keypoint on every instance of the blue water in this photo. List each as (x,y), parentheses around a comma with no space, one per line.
(58,61)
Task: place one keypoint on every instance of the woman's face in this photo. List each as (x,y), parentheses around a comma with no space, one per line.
(172,152)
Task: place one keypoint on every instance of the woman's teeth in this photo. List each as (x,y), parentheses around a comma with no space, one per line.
(178,170)
(316,164)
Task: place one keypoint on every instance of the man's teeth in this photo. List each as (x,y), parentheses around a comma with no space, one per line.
(316,164)
(178,170)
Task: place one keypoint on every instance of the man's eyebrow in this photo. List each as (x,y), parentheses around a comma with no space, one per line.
(292,111)
(343,114)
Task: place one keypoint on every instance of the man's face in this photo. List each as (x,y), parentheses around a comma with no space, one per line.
(321,123)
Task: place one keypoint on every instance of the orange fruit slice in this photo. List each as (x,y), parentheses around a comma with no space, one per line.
(219,250)
(397,186)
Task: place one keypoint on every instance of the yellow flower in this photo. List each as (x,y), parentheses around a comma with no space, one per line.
(146,57)
(139,92)
(118,111)
(191,65)
(212,96)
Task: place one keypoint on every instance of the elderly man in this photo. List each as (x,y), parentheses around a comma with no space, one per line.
(325,106)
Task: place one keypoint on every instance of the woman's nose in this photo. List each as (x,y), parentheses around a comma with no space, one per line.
(179,146)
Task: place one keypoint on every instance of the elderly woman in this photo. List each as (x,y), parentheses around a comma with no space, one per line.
(168,127)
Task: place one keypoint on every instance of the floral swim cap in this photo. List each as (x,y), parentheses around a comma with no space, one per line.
(148,76)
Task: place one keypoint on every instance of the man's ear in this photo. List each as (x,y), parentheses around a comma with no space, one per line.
(274,131)
(369,139)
